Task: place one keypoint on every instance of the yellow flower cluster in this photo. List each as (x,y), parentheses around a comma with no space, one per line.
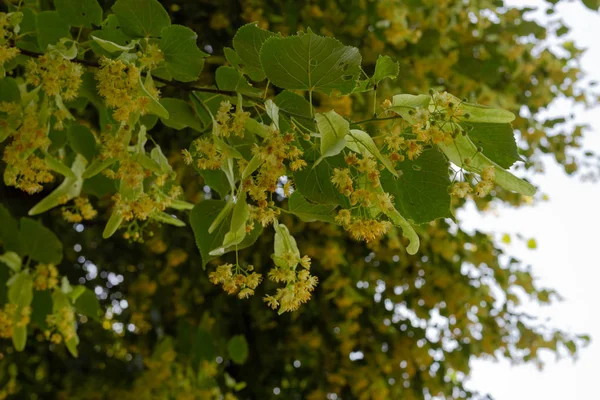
(208,157)
(151,56)
(146,203)
(62,322)
(118,83)
(82,210)
(45,277)
(25,170)
(299,284)
(359,226)
(238,281)
(482,189)
(57,76)
(7,31)
(6,320)
(228,123)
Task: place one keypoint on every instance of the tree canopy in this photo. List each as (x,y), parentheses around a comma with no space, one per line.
(257,199)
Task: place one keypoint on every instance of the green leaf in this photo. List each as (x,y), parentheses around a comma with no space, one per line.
(463,148)
(309,212)
(157,155)
(9,90)
(39,242)
(28,31)
(284,244)
(153,106)
(254,163)
(333,128)
(202,217)
(216,180)
(9,231)
(237,347)
(12,260)
(68,189)
(292,102)
(110,34)
(62,304)
(315,183)
(362,143)
(166,219)
(82,140)
(229,78)
(97,166)
(20,293)
(421,191)
(50,28)
(141,18)
(183,59)
(310,62)
(79,12)
(113,223)
(181,114)
(87,304)
(479,113)
(402,104)
(41,307)
(57,166)
(496,140)
(202,347)
(407,230)
(237,228)
(385,67)
(113,47)
(247,42)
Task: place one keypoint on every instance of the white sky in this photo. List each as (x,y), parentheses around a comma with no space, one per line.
(566,230)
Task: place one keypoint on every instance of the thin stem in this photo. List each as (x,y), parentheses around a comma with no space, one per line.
(266,89)
(376,120)
(312,111)
(79,33)
(375,100)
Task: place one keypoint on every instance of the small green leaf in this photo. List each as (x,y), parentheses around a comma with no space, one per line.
(20,293)
(82,140)
(166,219)
(284,244)
(237,347)
(39,242)
(153,106)
(237,228)
(183,59)
(310,62)
(254,163)
(362,143)
(79,12)
(113,47)
(229,78)
(181,114)
(50,28)
(113,223)
(333,128)
(57,166)
(309,212)
(479,113)
(402,104)
(463,148)
(247,42)
(67,190)
(12,260)
(292,102)
(385,67)
(97,166)
(141,18)
(9,231)
(87,304)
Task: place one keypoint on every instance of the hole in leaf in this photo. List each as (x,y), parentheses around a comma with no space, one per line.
(344,67)
(313,63)
(346,77)
(83,14)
